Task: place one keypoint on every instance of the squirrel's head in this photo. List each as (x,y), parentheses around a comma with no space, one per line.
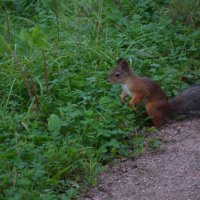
(121,72)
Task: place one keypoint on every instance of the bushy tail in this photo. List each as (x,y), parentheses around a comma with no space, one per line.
(187,102)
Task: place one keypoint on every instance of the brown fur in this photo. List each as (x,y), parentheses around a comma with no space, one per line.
(141,88)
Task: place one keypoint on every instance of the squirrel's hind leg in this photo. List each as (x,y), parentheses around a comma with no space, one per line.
(157,115)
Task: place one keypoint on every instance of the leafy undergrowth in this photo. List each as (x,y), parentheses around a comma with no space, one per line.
(60,120)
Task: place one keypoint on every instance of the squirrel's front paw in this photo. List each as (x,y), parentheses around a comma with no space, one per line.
(123,100)
(132,106)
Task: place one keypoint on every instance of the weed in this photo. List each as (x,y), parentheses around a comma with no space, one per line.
(55,58)
(185,11)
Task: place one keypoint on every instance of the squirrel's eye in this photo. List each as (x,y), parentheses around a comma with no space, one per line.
(117,74)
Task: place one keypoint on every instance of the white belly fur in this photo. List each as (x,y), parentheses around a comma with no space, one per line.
(126,90)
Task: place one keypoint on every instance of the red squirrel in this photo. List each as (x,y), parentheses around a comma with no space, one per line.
(157,106)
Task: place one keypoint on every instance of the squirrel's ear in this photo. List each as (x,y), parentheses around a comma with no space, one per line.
(122,62)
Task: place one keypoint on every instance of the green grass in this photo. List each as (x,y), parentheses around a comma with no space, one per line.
(56,139)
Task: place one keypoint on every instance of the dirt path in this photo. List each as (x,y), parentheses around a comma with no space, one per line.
(173,174)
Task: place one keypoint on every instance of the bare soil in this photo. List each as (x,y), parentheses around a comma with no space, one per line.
(170,174)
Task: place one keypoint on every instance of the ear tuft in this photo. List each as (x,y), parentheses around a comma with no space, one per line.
(122,62)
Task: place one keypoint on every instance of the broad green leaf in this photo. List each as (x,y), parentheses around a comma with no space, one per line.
(24,35)
(54,123)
